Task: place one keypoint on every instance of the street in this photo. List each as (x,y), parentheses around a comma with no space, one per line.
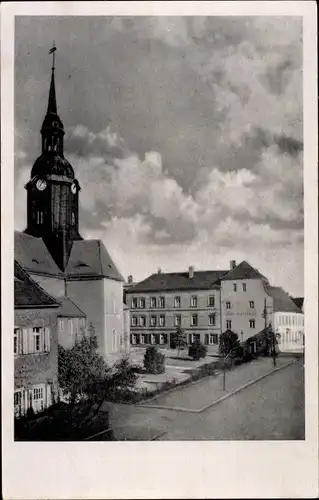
(273,408)
(270,409)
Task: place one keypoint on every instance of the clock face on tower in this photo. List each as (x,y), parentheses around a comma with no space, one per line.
(41,184)
(73,188)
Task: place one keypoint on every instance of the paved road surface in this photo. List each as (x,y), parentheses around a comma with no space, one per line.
(272,408)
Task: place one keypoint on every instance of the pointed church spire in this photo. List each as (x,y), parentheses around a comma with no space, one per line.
(52,108)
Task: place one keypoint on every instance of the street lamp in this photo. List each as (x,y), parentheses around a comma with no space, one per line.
(242,336)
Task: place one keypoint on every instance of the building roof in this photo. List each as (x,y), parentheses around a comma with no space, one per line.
(88,259)
(298,301)
(27,293)
(68,309)
(282,301)
(243,271)
(202,280)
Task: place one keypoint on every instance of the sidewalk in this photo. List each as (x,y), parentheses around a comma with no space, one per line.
(197,396)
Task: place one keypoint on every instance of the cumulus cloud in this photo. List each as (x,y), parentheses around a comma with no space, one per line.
(189,149)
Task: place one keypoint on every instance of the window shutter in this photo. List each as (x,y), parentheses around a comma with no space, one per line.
(206,338)
(25,335)
(47,339)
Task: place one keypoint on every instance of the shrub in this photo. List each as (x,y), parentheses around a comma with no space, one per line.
(154,361)
(197,350)
(228,341)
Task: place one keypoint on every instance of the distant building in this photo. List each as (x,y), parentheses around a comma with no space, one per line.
(203,303)
(126,286)
(34,345)
(288,320)
(164,301)
(77,271)
(246,306)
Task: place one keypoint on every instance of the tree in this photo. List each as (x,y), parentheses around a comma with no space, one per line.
(271,342)
(197,350)
(178,339)
(228,341)
(154,361)
(83,374)
(81,369)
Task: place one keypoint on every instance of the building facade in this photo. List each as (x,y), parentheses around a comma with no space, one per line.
(204,304)
(34,345)
(165,301)
(288,321)
(52,250)
(246,306)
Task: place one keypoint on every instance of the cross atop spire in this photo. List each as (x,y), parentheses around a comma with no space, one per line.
(52,51)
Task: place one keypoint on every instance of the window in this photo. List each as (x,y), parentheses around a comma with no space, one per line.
(61,323)
(251,304)
(211,301)
(211,339)
(134,321)
(244,287)
(70,327)
(212,319)
(153,320)
(194,320)
(18,403)
(17,341)
(194,301)
(228,305)
(153,302)
(234,287)
(215,338)
(252,323)
(73,219)
(38,402)
(142,303)
(177,302)
(37,339)
(114,340)
(228,324)
(162,302)
(39,217)
(162,320)
(134,303)
(142,321)
(178,320)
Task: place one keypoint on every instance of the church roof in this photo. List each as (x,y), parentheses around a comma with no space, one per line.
(282,301)
(202,280)
(88,259)
(27,293)
(243,271)
(53,164)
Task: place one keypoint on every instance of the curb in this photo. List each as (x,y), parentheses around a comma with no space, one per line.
(245,386)
(179,409)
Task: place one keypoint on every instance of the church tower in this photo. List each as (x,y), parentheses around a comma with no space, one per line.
(53,191)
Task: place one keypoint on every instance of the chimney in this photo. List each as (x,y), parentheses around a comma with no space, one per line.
(159,270)
(232,264)
(191,272)
(130,279)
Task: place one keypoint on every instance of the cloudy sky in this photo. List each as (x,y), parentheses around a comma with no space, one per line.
(184,132)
